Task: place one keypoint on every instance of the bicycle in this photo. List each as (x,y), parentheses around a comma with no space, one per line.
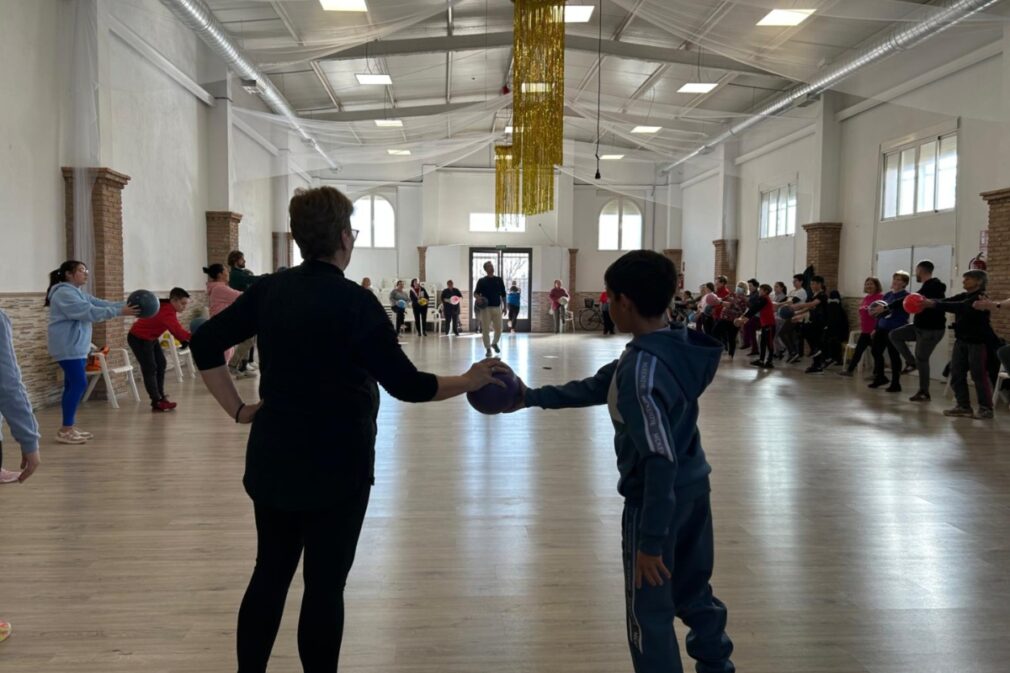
(590,318)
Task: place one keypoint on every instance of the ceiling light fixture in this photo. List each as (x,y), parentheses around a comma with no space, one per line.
(646,129)
(398,153)
(786,17)
(369,78)
(611,157)
(389,123)
(698,87)
(344,5)
(535,87)
(578,13)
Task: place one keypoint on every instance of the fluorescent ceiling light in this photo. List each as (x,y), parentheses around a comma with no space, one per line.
(509,129)
(646,129)
(344,5)
(368,78)
(611,157)
(697,87)
(398,153)
(389,123)
(578,13)
(536,87)
(786,17)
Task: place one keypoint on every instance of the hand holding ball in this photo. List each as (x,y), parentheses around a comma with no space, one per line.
(914,303)
(401,304)
(145,301)
(786,312)
(422,302)
(454,301)
(493,398)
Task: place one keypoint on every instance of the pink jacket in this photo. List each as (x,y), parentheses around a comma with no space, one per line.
(868,323)
(220,297)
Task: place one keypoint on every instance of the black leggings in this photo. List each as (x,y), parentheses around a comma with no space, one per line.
(400,314)
(882,342)
(864,342)
(608,322)
(420,318)
(152,365)
(767,344)
(726,332)
(329,539)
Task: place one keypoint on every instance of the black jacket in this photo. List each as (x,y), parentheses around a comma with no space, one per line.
(971,326)
(931,318)
(323,342)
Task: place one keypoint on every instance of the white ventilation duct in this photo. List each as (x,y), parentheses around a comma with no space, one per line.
(196,15)
(899,40)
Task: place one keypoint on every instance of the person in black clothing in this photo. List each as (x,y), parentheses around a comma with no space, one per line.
(450,310)
(310,456)
(490,291)
(419,303)
(813,331)
(926,330)
(973,337)
(836,329)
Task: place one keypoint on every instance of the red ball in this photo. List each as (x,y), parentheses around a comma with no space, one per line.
(913,303)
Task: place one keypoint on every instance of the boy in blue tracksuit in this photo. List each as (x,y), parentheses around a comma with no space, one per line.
(652,392)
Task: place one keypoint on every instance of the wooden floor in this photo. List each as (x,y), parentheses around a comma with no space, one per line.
(855,532)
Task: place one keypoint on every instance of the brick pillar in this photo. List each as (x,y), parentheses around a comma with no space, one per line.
(824,246)
(422,260)
(725,258)
(998,257)
(222,235)
(676,255)
(107,266)
(573,260)
(283,251)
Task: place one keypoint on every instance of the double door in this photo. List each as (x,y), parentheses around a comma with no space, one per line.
(512,264)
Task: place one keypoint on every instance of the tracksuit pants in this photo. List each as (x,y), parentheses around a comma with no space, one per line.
(974,358)
(688,554)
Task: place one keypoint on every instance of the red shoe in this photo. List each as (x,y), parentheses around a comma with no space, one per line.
(171,405)
(161,405)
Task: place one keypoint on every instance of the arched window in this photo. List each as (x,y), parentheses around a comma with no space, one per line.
(375,221)
(620,225)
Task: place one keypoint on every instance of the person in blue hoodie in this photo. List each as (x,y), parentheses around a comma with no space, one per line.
(890,317)
(15,407)
(71,314)
(652,393)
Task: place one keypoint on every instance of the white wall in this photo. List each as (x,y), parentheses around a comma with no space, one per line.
(702,224)
(252,195)
(32,241)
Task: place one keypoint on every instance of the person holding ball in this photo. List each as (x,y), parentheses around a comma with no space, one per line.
(449,309)
(310,457)
(419,303)
(71,314)
(652,394)
(143,340)
(398,300)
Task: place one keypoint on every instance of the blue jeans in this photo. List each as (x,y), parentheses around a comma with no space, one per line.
(74,384)
(688,554)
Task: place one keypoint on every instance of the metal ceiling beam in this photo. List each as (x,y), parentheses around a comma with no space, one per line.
(479,41)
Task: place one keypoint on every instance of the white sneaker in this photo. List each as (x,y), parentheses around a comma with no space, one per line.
(8,477)
(84,433)
(252,366)
(71,437)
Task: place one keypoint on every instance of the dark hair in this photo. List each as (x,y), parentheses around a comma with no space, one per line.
(981,276)
(60,275)
(234,256)
(214,270)
(447,282)
(766,288)
(925,264)
(800,277)
(413,282)
(722,279)
(754,282)
(876,283)
(710,286)
(178,293)
(485,265)
(645,277)
(779,283)
(319,217)
(820,281)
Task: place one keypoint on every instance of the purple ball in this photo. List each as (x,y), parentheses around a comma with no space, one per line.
(492,399)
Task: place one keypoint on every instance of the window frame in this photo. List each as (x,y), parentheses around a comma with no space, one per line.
(765,207)
(372,196)
(916,144)
(621,200)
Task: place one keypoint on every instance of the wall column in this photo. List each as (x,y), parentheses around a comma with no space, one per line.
(573,258)
(422,260)
(824,244)
(998,259)
(725,258)
(222,235)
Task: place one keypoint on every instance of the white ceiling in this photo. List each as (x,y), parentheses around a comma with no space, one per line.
(423,79)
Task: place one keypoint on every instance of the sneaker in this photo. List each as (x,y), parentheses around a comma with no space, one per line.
(756,363)
(794,358)
(488,353)
(168,403)
(70,437)
(920,397)
(814,369)
(767,365)
(495,347)
(83,433)
(252,366)
(908,369)
(5,630)
(160,406)
(8,477)
(894,388)
(983,413)
(878,383)
(847,373)
(960,412)
(244,374)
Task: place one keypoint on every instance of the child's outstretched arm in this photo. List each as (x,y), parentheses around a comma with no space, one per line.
(585,393)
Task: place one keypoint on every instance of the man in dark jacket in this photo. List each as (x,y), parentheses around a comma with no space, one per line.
(973,336)
(926,330)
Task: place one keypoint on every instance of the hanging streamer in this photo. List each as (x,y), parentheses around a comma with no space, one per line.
(507,195)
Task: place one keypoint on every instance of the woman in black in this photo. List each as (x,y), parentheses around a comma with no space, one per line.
(419,302)
(309,460)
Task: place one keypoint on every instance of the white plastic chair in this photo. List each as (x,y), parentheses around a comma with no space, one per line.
(105,372)
(569,318)
(179,357)
(1003,376)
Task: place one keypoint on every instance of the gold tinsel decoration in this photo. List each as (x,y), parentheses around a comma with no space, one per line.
(538,100)
(507,197)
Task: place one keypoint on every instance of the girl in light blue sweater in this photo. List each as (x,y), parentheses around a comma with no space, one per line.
(71,314)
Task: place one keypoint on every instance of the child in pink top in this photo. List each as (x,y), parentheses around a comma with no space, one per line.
(867,323)
(219,295)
